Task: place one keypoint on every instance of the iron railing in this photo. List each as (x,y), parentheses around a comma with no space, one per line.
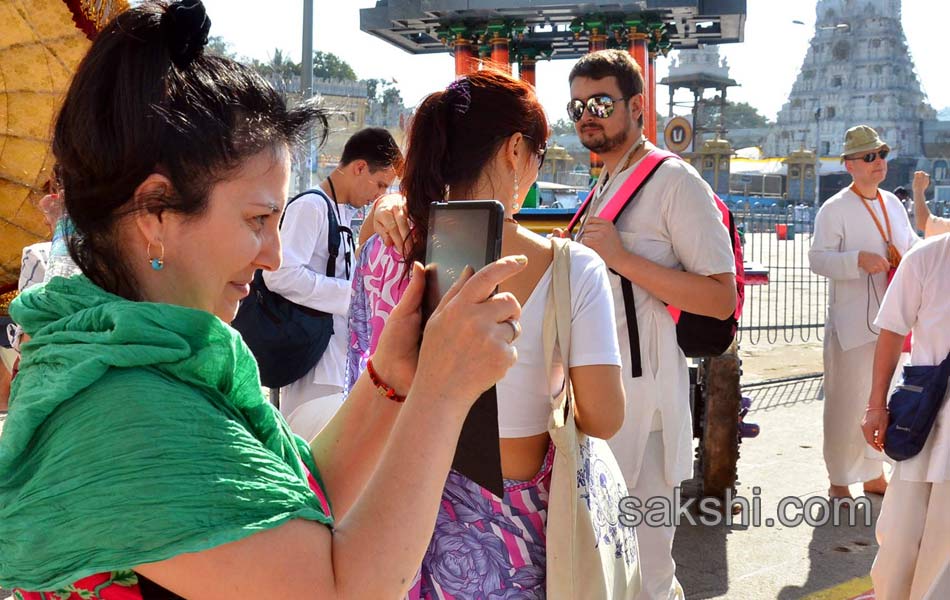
(793,303)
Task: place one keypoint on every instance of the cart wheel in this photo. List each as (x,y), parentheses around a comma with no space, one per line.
(719,442)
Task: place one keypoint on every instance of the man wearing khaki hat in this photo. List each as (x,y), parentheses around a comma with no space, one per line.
(860,234)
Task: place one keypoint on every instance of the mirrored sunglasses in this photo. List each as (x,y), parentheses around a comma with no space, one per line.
(872,156)
(601,107)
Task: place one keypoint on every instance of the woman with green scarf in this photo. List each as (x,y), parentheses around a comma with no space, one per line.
(140,458)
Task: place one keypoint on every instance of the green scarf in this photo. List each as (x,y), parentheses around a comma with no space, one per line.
(137,432)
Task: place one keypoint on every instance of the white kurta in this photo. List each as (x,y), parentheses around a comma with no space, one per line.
(302,278)
(913,529)
(675,223)
(843,228)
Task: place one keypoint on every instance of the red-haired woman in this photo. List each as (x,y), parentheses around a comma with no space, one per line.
(484,137)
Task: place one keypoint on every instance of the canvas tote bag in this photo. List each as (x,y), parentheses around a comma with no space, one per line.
(590,554)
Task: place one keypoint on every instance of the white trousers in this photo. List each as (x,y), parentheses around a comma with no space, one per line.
(304,390)
(848,456)
(941,588)
(657,569)
(913,531)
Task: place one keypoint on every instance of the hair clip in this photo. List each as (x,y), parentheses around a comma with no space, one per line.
(462,88)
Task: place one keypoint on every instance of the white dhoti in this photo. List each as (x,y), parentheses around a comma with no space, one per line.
(913,531)
(848,456)
(309,419)
(657,569)
(304,390)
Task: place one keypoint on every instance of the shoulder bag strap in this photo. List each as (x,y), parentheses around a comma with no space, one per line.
(554,333)
(561,284)
(893,255)
(333,236)
(333,231)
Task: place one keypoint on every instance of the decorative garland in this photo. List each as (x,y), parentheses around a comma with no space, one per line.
(7,294)
(91,15)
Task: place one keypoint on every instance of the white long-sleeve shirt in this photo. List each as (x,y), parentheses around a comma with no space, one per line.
(302,278)
(843,228)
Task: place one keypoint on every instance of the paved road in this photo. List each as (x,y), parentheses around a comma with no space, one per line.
(786,563)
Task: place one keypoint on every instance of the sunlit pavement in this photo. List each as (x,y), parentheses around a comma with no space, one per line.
(759,563)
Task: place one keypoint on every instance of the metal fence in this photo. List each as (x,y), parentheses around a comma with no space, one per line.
(792,305)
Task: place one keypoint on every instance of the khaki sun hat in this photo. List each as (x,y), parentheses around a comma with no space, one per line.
(862,139)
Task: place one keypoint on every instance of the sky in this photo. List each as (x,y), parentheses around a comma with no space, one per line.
(765,64)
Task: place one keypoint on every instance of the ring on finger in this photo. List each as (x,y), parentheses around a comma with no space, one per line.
(515,329)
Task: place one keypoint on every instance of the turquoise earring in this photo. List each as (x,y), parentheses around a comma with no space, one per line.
(157,263)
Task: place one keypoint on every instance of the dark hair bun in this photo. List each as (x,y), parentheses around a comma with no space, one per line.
(186,26)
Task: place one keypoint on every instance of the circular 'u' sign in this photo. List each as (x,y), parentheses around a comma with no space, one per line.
(678,134)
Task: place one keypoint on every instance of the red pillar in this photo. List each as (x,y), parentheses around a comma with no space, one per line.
(598,41)
(640,53)
(499,54)
(465,61)
(651,135)
(526,70)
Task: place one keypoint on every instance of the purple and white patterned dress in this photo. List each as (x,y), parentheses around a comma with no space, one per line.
(484,547)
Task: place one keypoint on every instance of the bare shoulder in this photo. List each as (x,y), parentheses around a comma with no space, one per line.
(533,242)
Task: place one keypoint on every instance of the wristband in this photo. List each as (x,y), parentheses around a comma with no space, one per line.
(384,390)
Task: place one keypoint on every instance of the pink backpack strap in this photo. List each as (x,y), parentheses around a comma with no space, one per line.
(647,167)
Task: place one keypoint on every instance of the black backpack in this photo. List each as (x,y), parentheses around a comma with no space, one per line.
(286,338)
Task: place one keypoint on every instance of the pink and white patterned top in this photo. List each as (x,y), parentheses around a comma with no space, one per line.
(379,281)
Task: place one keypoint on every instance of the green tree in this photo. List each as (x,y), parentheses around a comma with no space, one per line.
(741,115)
(279,65)
(218,46)
(282,65)
(384,93)
(562,126)
(392,99)
(327,65)
(372,86)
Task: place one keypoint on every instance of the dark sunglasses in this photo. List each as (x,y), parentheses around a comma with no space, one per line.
(871,156)
(601,106)
(541,152)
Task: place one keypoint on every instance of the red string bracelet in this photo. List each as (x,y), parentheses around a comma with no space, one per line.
(384,390)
